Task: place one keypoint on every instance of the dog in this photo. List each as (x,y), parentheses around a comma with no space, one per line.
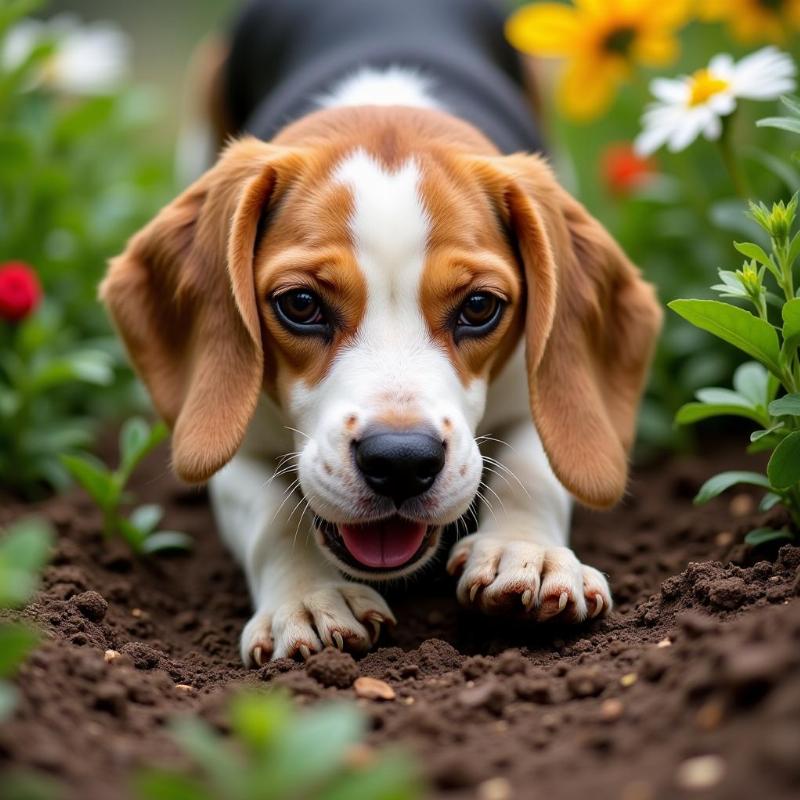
(377,309)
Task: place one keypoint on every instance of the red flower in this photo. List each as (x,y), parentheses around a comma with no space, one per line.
(20,291)
(624,171)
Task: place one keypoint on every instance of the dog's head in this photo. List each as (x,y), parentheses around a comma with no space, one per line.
(372,271)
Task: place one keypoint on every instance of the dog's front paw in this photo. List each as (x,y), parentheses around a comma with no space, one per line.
(505,575)
(347,616)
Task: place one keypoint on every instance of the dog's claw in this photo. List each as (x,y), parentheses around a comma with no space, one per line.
(375,621)
(598,606)
(305,652)
(527,599)
(338,640)
(257,654)
(473,592)
(562,601)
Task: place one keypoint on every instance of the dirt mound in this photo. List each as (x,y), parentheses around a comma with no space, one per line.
(691,685)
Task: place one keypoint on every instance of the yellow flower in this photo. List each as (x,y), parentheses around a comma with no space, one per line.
(755,20)
(602,41)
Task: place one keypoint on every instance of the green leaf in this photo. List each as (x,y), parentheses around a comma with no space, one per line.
(725,480)
(751,381)
(98,483)
(27,544)
(132,535)
(783,469)
(769,501)
(734,325)
(786,406)
(136,440)
(714,395)
(757,435)
(155,784)
(145,518)
(327,732)
(167,540)
(764,535)
(200,742)
(782,123)
(753,251)
(393,777)
(15,642)
(695,412)
(258,719)
(791,327)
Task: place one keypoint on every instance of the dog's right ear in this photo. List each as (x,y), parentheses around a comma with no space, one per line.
(182,297)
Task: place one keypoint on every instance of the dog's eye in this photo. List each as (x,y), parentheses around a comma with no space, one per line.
(301,311)
(479,315)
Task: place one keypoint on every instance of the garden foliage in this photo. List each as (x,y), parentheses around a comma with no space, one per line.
(76,178)
(109,489)
(277,753)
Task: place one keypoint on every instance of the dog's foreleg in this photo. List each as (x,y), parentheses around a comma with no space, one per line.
(301,601)
(519,560)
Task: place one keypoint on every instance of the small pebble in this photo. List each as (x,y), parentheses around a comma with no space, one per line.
(136,612)
(741,505)
(111,656)
(709,716)
(611,710)
(184,687)
(628,679)
(701,772)
(494,789)
(665,643)
(724,539)
(373,689)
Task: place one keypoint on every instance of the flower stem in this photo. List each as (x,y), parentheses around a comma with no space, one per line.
(730,161)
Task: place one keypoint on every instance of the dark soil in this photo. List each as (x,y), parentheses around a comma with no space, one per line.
(690,689)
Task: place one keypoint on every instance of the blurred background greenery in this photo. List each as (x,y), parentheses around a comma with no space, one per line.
(82,168)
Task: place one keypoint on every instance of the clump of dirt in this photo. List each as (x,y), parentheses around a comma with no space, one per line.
(690,688)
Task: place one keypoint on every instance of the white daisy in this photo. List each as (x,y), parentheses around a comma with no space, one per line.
(694,105)
(89,59)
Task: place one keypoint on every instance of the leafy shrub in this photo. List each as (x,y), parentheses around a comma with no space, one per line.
(766,391)
(76,178)
(276,753)
(108,488)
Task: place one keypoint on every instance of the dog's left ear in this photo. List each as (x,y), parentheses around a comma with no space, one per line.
(182,297)
(591,325)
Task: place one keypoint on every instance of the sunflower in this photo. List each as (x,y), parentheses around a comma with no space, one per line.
(755,20)
(602,40)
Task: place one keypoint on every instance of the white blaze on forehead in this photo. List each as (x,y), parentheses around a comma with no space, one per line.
(389,226)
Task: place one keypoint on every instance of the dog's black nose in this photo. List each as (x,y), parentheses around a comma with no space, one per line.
(399,464)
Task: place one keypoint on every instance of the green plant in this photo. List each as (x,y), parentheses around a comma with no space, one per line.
(276,753)
(109,489)
(24,550)
(765,391)
(77,175)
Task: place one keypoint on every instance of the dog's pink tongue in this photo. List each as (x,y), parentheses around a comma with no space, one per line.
(388,543)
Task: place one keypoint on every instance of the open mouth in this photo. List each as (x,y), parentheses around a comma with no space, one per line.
(382,545)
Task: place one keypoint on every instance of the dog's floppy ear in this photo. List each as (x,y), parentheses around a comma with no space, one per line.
(591,325)
(183,299)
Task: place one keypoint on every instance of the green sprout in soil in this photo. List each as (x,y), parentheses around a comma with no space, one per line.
(277,753)
(765,391)
(109,489)
(24,550)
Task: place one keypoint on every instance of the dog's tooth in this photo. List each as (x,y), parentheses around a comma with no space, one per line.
(338,640)
(305,652)
(562,601)
(527,599)
(473,592)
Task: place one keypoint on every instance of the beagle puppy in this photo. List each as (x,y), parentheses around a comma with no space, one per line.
(377,315)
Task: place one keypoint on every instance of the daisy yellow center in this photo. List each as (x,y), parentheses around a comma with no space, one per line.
(704,85)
